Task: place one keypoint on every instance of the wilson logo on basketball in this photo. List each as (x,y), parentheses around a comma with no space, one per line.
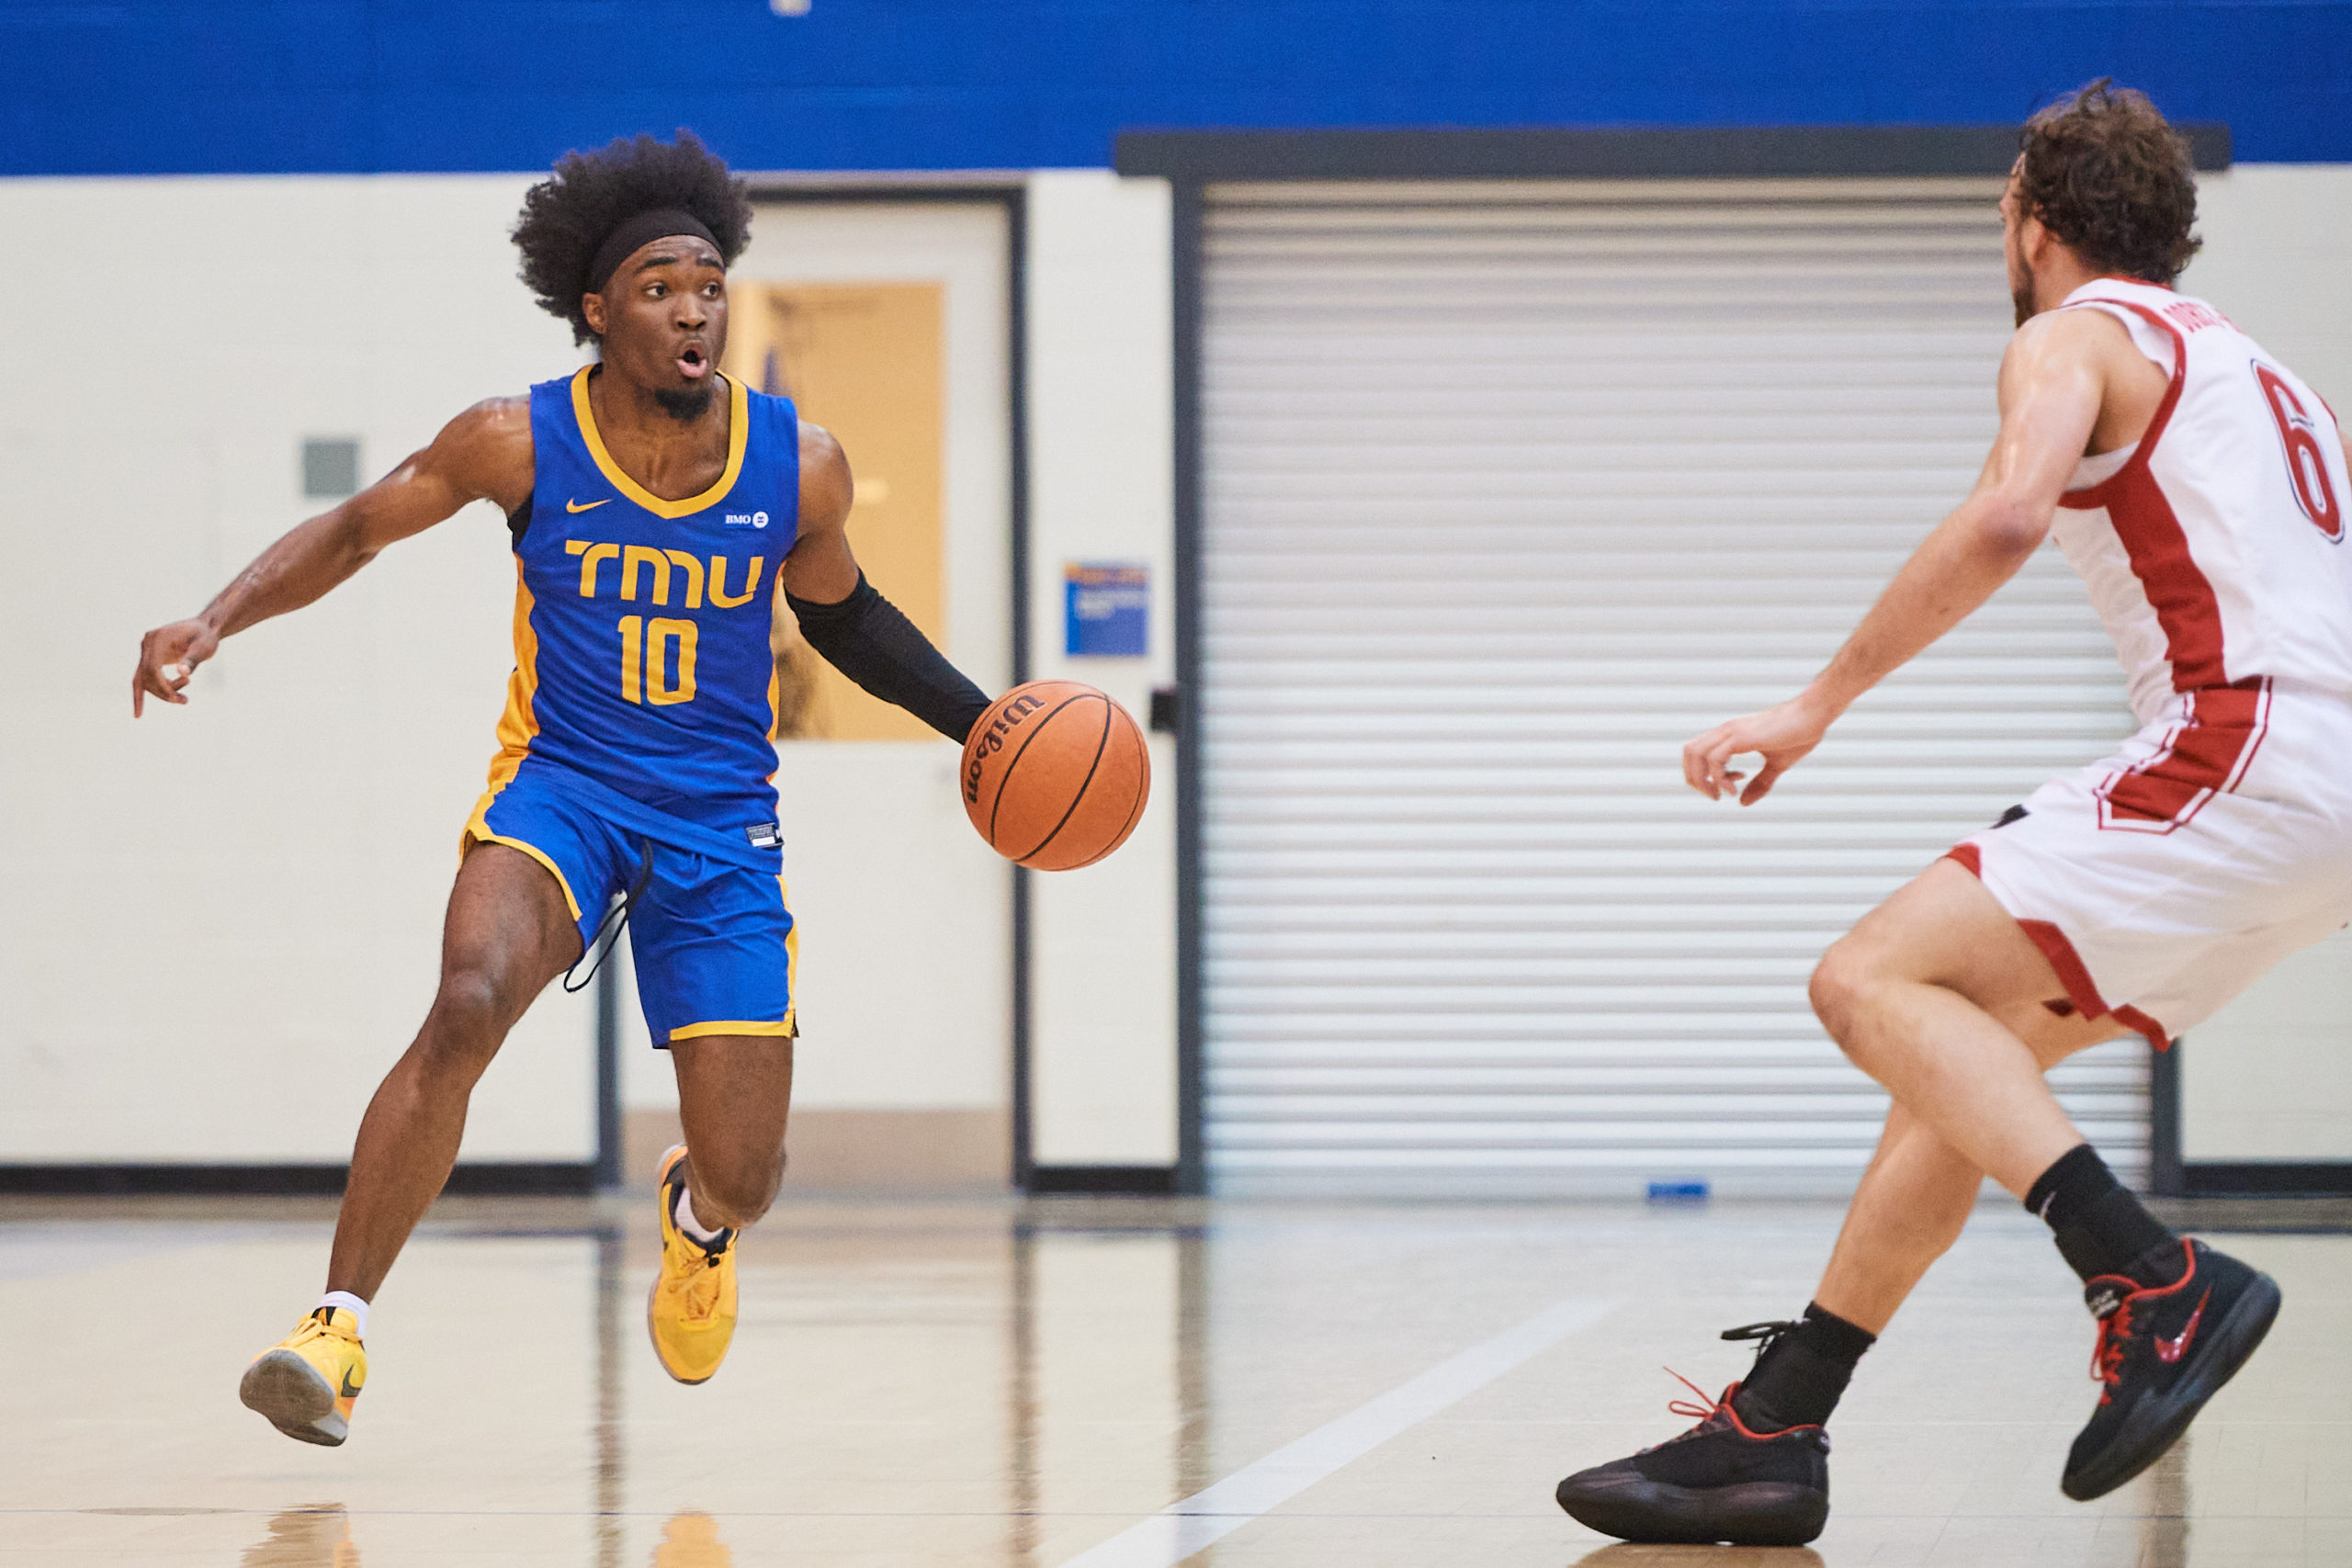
(990,739)
(1055,775)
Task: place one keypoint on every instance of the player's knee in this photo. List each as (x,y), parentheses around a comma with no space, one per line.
(1840,982)
(734,1193)
(469,1016)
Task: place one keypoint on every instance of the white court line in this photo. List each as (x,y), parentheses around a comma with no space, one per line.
(1184,1528)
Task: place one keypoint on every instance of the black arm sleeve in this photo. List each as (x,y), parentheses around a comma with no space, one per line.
(867,638)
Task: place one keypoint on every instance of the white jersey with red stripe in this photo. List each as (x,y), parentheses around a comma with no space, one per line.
(2213,548)
(2162,880)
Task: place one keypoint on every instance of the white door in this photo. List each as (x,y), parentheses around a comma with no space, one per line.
(1509,490)
(905,967)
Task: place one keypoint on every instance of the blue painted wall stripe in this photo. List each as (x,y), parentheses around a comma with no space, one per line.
(189,86)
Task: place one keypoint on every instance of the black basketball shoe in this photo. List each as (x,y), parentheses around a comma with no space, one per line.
(2163,1351)
(1718,1482)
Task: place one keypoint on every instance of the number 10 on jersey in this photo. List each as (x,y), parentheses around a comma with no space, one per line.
(650,651)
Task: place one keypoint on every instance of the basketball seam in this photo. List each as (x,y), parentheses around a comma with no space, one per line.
(997,804)
(1143,793)
(1100,742)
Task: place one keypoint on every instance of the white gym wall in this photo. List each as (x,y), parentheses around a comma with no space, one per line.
(1102,965)
(225,919)
(222,921)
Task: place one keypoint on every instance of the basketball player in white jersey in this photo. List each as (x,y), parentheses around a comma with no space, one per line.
(2199,487)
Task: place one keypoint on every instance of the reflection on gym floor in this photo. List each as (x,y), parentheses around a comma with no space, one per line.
(314,1537)
(1015,1385)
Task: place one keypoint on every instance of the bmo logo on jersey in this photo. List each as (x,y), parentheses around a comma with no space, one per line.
(747,520)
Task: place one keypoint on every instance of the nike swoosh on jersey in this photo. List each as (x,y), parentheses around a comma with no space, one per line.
(2173,1350)
(584,505)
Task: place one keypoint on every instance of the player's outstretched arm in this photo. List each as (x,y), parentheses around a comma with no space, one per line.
(484,454)
(856,630)
(2052,383)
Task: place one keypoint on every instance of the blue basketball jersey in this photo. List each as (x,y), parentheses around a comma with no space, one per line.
(641,654)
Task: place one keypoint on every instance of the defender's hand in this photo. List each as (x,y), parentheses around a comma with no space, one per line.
(1783,733)
(167,657)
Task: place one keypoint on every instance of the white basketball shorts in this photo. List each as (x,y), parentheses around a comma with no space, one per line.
(2165,880)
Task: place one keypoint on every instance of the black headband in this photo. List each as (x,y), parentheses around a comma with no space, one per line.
(661,223)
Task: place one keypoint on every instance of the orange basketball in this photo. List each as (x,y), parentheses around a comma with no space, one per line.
(1055,775)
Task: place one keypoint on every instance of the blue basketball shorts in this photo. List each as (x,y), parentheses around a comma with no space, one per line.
(712,938)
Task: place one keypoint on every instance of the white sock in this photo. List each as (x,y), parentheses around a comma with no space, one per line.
(684,1213)
(350,1304)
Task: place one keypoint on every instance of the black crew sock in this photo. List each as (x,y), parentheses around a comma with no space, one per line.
(2101,1226)
(1798,1379)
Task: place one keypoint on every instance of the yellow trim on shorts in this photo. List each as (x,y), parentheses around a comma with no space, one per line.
(790,1026)
(791,946)
(478,831)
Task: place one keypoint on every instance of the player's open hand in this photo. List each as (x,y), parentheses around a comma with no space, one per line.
(1783,735)
(167,657)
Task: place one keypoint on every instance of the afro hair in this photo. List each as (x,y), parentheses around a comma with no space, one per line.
(568,215)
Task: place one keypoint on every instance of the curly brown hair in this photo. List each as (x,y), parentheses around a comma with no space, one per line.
(2107,174)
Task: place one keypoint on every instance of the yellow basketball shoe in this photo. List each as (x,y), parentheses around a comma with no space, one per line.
(691,1313)
(308,1384)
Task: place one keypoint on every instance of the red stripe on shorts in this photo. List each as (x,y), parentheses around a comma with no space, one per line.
(2072,973)
(2207,756)
(2132,1017)
(2081,991)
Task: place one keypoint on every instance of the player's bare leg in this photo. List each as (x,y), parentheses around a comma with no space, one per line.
(734,1093)
(1914,996)
(1935,995)
(1918,1192)
(507,933)
(1925,995)
(1908,1211)
(1938,994)
(1754,1470)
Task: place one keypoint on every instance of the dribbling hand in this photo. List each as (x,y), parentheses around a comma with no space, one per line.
(1783,735)
(167,657)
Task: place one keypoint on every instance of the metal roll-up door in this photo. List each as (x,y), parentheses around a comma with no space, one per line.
(1509,490)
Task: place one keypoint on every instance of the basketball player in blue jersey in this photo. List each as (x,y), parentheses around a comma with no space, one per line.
(658,508)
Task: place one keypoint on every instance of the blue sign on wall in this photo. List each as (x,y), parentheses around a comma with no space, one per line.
(1106,610)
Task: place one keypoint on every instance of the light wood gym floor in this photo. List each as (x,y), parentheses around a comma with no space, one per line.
(1107,1385)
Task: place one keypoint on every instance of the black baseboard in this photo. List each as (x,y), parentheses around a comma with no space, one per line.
(2215,1178)
(1130,1180)
(519,1180)
(1541,151)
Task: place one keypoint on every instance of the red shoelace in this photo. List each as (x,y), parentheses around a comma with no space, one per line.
(2107,1353)
(1684,1407)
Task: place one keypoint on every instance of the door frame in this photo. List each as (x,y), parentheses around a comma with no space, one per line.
(1010,195)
